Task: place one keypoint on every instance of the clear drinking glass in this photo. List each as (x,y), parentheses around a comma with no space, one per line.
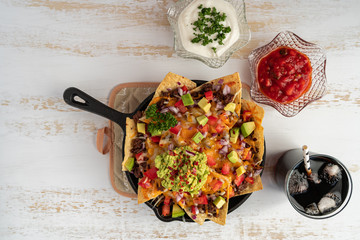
(292,160)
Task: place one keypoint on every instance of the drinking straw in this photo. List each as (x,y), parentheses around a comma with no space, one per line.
(306,159)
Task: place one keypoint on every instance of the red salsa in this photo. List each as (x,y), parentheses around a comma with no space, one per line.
(284,74)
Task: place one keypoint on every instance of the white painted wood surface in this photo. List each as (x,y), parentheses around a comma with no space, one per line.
(53,182)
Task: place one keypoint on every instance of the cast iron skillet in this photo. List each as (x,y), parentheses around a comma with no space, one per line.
(77,98)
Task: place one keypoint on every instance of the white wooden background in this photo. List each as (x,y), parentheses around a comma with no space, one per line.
(53,182)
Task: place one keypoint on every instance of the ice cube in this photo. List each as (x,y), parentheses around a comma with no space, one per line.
(314,177)
(312,209)
(331,173)
(329,202)
(298,183)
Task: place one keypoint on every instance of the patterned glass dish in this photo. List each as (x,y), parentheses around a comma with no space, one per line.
(244,37)
(318,62)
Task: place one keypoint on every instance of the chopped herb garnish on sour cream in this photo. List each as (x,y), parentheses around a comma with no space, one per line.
(208,24)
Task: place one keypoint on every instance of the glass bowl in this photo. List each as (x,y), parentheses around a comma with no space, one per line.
(244,36)
(318,62)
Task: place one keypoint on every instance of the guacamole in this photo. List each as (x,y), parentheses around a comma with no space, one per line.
(182,169)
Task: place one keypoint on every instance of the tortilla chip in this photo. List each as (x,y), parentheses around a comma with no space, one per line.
(130,134)
(258,115)
(146,194)
(235,88)
(256,186)
(171,81)
(143,194)
(221,219)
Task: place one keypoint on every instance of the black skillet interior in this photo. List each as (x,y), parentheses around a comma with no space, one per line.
(234,202)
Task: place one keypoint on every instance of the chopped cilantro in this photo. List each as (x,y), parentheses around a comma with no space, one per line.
(160,121)
(208,27)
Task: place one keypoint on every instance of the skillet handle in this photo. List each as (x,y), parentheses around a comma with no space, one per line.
(79,99)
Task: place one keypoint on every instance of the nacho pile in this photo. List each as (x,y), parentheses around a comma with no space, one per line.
(194,148)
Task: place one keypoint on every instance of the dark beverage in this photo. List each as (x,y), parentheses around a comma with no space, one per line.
(322,194)
(326,193)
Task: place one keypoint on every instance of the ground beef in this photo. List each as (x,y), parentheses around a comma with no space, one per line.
(195,95)
(240,188)
(137,145)
(171,93)
(144,166)
(159,186)
(212,208)
(137,171)
(206,87)
(201,208)
(137,115)
(160,104)
(225,99)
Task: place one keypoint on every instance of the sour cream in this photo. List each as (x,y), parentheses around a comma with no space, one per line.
(190,15)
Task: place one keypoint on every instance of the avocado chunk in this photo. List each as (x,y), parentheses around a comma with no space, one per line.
(156,132)
(234,134)
(177,211)
(247,128)
(204,105)
(129,163)
(202,120)
(233,156)
(141,128)
(197,137)
(219,202)
(240,170)
(187,99)
(230,107)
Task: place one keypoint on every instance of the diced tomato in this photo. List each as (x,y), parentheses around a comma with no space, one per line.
(165,210)
(231,192)
(151,173)
(226,168)
(210,160)
(290,89)
(182,109)
(249,180)
(201,200)
(219,128)
(184,88)
(216,185)
(204,129)
(145,182)
(155,139)
(139,156)
(193,210)
(212,120)
(209,95)
(167,200)
(246,115)
(239,179)
(180,105)
(176,129)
